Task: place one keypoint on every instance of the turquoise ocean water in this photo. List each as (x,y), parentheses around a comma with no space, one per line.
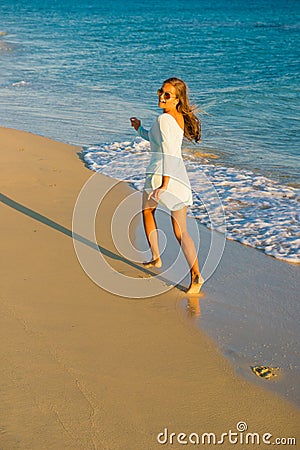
(75,71)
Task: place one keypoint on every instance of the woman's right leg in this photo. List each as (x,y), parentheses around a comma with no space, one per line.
(188,247)
(149,207)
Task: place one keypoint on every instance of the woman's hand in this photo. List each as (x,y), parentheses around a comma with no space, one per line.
(157,193)
(135,123)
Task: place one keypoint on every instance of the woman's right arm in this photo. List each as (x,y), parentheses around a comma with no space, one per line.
(136,124)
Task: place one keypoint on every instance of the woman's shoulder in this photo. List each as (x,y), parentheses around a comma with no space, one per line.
(168,120)
(165,117)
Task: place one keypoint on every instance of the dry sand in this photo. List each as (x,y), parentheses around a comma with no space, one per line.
(85,369)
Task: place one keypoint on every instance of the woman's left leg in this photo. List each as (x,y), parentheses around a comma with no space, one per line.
(150,227)
(188,248)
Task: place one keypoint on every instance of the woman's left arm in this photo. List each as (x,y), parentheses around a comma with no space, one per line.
(169,160)
(157,192)
(167,143)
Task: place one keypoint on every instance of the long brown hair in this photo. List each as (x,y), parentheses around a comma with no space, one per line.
(192,125)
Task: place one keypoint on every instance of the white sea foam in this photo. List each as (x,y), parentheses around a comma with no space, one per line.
(259,212)
(21,83)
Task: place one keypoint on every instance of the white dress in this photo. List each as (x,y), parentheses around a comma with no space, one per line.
(165,138)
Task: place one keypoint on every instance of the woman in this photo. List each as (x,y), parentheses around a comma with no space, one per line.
(166,178)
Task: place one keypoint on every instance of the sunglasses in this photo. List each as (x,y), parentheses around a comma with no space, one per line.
(165,95)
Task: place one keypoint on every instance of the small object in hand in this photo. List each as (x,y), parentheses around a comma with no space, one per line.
(265,372)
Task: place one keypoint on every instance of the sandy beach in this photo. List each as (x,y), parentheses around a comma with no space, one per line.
(83,368)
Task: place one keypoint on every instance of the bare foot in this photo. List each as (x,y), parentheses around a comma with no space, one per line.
(154,263)
(195,285)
